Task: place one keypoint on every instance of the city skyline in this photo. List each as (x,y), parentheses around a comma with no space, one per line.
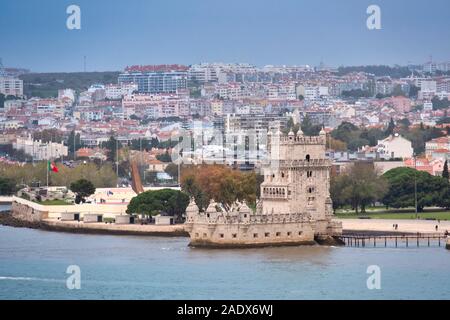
(114,35)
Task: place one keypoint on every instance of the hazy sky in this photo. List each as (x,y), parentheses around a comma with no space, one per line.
(117,33)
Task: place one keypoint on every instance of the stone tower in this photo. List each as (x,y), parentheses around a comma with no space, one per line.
(297,180)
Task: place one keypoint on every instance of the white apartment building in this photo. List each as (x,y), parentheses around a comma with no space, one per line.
(155,105)
(204,73)
(39,150)
(230,91)
(117,91)
(428,90)
(395,146)
(312,93)
(443,85)
(384,86)
(10,86)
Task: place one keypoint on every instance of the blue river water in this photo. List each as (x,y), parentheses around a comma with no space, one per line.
(33,265)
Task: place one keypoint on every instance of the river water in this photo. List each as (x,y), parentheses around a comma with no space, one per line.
(33,265)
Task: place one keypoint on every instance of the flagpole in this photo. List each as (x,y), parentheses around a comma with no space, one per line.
(46,167)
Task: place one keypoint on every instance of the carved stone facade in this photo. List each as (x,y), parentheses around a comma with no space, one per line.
(295,205)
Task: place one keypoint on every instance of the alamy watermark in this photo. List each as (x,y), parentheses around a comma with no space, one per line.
(374,20)
(73,21)
(374,280)
(74,280)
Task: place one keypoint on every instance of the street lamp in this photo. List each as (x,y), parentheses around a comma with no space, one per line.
(415,182)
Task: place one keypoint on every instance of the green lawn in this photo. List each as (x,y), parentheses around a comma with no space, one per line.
(55,203)
(396,214)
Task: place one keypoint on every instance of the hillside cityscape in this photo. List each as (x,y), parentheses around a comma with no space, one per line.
(370,113)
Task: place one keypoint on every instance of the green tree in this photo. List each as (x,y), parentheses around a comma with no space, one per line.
(74,141)
(413,91)
(372,135)
(390,128)
(172,202)
(165,157)
(445,173)
(401,192)
(138,144)
(355,144)
(346,132)
(291,126)
(308,128)
(112,144)
(7,186)
(360,187)
(404,123)
(172,170)
(398,91)
(192,188)
(356,93)
(440,104)
(82,188)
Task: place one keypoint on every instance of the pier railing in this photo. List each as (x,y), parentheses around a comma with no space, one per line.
(397,240)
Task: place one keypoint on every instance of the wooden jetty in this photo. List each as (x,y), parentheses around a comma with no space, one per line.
(397,240)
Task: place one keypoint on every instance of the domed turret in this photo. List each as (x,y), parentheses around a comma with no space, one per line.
(291,134)
(244,208)
(192,208)
(322,132)
(212,207)
(191,212)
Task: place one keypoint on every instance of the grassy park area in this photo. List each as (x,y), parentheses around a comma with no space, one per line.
(55,203)
(406,213)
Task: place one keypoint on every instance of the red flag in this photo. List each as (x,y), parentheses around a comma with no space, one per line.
(52,167)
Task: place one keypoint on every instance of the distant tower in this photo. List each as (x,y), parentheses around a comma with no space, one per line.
(84,63)
(2,69)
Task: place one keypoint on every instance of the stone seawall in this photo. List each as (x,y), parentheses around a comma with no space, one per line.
(28,213)
(94,228)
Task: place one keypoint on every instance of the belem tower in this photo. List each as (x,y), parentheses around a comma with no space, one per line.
(295,206)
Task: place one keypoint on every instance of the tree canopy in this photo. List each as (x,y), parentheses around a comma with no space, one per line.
(82,188)
(151,203)
(221,183)
(7,186)
(401,192)
(359,187)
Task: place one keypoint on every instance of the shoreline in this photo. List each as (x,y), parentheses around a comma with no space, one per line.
(350,226)
(6,219)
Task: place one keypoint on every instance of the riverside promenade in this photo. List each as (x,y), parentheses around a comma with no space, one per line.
(386,226)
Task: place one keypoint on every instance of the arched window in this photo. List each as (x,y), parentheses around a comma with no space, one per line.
(308,157)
